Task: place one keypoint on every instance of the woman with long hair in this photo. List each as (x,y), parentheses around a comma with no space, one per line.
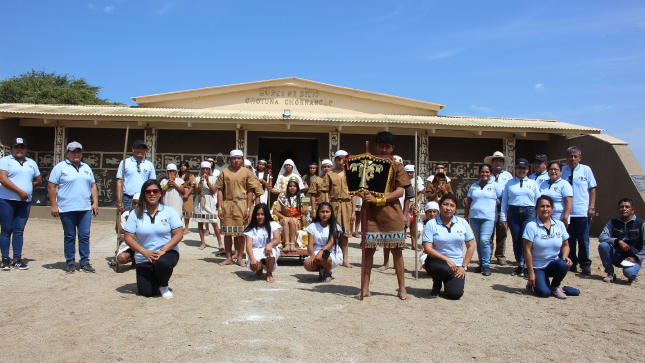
(189,188)
(153,234)
(262,240)
(290,211)
(324,234)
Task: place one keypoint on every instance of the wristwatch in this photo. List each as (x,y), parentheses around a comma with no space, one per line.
(465,268)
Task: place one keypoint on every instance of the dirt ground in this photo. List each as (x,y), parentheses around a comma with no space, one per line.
(226,314)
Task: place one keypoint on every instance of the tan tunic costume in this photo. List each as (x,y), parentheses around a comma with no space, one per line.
(234,188)
(314,190)
(188,203)
(339,199)
(385,224)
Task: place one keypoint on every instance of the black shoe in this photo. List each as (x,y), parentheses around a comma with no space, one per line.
(486,271)
(519,271)
(586,270)
(88,268)
(525,273)
(6,264)
(478,269)
(632,281)
(70,269)
(434,294)
(573,268)
(19,265)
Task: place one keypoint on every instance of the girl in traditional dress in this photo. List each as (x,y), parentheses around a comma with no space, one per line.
(288,171)
(324,234)
(290,211)
(335,186)
(173,190)
(205,209)
(262,241)
(189,180)
(265,179)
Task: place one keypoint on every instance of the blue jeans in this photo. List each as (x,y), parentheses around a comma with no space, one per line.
(72,221)
(557,269)
(13,217)
(127,202)
(482,229)
(579,239)
(610,258)
(517,219)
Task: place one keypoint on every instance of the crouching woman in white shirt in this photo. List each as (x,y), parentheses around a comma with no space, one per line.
(324,234)
(158,230)
(262,241)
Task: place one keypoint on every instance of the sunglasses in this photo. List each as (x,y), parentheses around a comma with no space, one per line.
(152,191)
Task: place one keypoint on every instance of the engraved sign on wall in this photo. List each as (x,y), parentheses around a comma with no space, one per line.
(106,186)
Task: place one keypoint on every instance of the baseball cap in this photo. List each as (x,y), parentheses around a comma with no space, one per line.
(74,145)
(139,143)
(18,141)
(522,163)
(541,157)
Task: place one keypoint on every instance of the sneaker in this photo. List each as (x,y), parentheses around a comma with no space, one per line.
(478,269)
(557,292)
(633,281)
(19,265)
(70,269)
(525,273)
(165,292)
(573,268)
(519,271)
(87,268)
(501,261)
(486,270)
(529,287)
(434,294)
(6,264)
(610,278)
(586,270)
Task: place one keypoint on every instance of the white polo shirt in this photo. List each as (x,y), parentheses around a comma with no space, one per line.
(22,175)
(135,177)
(484,200)
(583,180)
(74,186)
(546,242)
(519,193)
(448,241)
(153,235)
(539,179)
(558,190)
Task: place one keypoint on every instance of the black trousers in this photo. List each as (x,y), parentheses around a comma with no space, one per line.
(440,272)
(150,276)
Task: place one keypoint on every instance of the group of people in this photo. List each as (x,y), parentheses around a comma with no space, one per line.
(547,213)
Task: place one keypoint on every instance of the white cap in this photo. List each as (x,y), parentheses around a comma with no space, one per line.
(340,153)
(73,146)
(432,205)
(397,158)
(205,164)
(236,153)
(247,162)
(409,167)
(172,167)
(326,162)
(136,196)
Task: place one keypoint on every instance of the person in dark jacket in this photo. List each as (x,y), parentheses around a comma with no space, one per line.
(621,243)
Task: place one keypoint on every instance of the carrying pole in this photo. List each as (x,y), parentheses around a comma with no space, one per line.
(364,209)
(118,214)
(416,205)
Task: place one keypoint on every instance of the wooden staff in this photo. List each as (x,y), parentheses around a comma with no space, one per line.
(365,207)
(118,214)
(416,202)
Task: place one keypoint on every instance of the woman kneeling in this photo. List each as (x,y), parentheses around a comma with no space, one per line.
(158,230)
(262,240)
(544,239)
(324,234)
(443,242)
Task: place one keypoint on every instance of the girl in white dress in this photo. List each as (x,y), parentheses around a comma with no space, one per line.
(205,210)
(324,234)
(173,190)
(262,241)
(287,172)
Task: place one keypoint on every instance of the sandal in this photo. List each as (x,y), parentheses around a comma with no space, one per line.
(325,276)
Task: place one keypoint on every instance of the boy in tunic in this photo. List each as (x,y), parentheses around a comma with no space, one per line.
(316,195)
(236,187)
(334,186)
(385,218)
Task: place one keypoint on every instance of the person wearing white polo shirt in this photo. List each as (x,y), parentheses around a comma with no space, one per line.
(19,175)
(76,185)
(544,240)
(443,241)
(173,189)
(584,185)
(137,171)
(481,210)
(500,176)
(540,174)
(158,231)
(560,191)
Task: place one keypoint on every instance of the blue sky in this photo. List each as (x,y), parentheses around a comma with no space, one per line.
(581,62)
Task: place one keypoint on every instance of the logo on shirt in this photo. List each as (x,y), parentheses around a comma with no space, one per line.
(164,222)
(555,188)
(489,189)
(87,172)
(459,232)
(582,178)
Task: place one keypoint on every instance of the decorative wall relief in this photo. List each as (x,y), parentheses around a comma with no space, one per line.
(334,143)
(509,151)
(106,187)
(93,160)
(59,144)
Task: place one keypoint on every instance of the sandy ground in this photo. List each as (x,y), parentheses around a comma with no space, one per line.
(226,314)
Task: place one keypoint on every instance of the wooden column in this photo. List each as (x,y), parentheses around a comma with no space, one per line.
(509,151)
(60,141)
(240,140)
(422,168)
(150,138)
(334,143)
